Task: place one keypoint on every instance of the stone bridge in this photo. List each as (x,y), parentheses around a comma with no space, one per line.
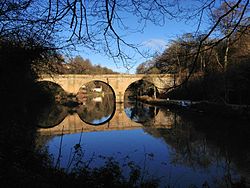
(71,83)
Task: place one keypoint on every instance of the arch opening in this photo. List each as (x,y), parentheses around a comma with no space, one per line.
(140,88)
(50,91)
(97,102)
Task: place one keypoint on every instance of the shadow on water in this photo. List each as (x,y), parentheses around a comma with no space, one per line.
(180,149)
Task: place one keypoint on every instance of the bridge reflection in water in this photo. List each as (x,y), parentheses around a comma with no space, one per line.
(72,123)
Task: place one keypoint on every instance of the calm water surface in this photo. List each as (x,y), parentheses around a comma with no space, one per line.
(183,150)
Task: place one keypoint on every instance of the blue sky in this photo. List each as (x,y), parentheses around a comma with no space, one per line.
(153,38)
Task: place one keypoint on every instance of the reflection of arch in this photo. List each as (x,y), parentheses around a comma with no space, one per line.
(51,116)
(72,124)
(97,110)
(120,121)
(101,123)
(140,112)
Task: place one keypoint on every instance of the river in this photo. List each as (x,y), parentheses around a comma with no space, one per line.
(182,149)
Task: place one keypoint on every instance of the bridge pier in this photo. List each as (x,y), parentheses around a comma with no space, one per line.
(119,97)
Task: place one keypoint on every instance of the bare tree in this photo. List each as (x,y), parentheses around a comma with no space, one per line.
(103,25)
(239,23)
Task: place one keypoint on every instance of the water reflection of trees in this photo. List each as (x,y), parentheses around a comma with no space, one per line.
(231,137)
(93,110)
(141,113)
(51,115)
(189,148)
(201,142)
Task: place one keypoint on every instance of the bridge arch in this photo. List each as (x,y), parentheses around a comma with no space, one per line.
(50,85)
(101,82)
(141,87)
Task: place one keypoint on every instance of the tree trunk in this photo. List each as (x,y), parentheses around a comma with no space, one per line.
(225,70)
(226,55)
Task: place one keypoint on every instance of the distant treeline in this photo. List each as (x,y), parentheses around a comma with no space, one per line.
(76,65)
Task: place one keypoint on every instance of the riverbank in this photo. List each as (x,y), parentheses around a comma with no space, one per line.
(204,107)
